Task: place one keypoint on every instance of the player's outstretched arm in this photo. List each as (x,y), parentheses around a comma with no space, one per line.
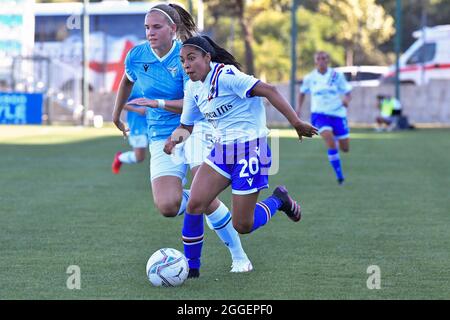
(268,91)
(179,135)
(121,99)
(175,106)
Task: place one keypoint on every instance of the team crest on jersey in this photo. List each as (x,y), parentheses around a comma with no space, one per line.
(173,71)
(145,67)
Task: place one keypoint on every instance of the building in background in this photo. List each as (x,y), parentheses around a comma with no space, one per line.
(16,35)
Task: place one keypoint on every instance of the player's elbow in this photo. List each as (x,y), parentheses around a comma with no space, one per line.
(271,89)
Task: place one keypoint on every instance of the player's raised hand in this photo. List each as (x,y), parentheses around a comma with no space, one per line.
(304,129)
(144,102)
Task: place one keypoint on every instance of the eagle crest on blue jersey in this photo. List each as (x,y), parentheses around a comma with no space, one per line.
(173,71)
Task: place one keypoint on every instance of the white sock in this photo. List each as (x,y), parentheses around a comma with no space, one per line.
(128,157)
(220,222)
(184,201)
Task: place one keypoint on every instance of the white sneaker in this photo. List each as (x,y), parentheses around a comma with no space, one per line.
(241,266)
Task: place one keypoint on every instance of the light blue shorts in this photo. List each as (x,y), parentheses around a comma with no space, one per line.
(138,141)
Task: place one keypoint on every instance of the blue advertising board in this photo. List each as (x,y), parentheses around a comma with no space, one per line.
(21,108)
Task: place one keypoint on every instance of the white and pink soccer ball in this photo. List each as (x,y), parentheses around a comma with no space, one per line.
(167,267)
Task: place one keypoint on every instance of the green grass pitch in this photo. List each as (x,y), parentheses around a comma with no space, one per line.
(61,206)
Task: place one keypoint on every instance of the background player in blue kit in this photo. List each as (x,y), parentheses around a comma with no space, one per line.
(155,66)
(137,137)
(230,101)
(328,108)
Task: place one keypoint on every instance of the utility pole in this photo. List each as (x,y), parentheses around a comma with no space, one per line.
(398,41)
(200,15)
(295,4)
(85,80)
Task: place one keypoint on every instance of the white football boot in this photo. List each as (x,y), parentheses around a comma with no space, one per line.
(242,265)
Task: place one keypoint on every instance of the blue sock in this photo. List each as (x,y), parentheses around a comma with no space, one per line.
(193,239)
(264,211)
(335,161)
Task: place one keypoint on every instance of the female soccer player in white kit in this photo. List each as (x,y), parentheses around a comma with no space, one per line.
(230,101)
(155,66)
(328,109)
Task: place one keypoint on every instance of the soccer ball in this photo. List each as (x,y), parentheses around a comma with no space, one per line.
(167,267)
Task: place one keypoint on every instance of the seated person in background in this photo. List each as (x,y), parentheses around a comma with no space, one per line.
(390,109)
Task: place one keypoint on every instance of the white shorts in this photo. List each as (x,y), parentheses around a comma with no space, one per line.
(161,164)
(198,147)
(139,141)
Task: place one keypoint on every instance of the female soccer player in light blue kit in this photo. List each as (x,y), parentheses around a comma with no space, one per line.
(230,101)
(155,66)
(328,109)
(137,123)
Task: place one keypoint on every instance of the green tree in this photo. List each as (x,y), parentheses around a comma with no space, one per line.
(236,9)
(362,25)
(272,30)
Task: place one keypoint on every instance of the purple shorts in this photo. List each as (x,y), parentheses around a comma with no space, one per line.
(337,125)
(246,164)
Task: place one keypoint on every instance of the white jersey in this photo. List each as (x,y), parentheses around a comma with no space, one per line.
(326,90)
(224,100)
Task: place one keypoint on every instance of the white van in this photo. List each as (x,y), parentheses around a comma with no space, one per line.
(363,76)
(427,58)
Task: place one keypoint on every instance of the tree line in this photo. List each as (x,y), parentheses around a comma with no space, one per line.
(354,32)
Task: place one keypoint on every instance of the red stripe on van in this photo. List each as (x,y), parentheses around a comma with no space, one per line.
(416,68)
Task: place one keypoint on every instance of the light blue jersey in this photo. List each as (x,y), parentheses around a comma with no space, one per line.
(136,122)
(224,100)
(326,90)
(159,78)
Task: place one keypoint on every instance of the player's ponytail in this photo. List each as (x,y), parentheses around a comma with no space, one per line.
(218,54)
(187,27)
(221,55)
(175,14)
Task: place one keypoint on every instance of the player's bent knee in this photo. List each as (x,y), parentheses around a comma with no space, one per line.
(242,228)
(196,206)
(168,209)
(139,159)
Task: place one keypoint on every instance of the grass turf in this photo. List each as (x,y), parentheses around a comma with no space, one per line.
(61,206)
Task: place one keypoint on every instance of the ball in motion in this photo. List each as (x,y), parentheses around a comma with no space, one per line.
(167,267)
